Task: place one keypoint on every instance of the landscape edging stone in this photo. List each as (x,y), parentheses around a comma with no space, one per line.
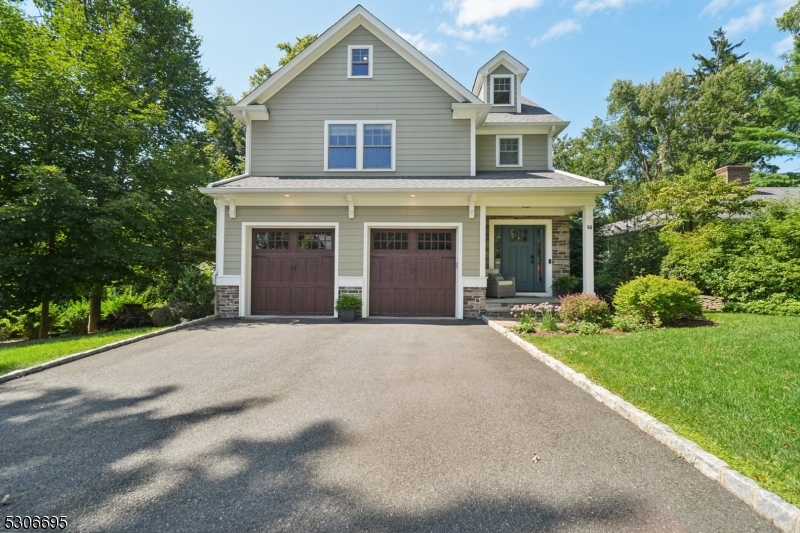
(22,372)
(781,513)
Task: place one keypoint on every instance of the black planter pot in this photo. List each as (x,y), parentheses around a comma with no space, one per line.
(347,315)
(560,292)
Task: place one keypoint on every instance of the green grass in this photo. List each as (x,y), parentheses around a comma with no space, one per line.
(14,357)
(733,388)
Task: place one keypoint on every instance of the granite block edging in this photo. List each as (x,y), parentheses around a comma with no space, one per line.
(74,357)
(769,505)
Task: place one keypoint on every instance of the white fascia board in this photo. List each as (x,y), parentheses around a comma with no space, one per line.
(359,16)
(466,111)
(502,58)
(340,191)
(588,180)
(246,113)
(222,182)
(521,128)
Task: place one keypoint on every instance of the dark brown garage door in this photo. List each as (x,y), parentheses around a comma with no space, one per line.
(292,272)
(412,273)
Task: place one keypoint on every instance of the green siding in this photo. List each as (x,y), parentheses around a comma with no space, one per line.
(429,141)
(351,230)
(534,153)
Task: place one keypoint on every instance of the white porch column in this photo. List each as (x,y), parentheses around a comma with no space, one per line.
(482,240)
(220,258)
(588,249)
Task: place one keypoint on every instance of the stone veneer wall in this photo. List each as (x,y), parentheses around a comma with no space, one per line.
(474,301)
(357,291)
(560,241)
(227,301)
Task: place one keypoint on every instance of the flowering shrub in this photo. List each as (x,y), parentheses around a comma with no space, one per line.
(585,308)
(526,315)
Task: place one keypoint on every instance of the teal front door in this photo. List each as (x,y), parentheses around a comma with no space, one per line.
(524,257)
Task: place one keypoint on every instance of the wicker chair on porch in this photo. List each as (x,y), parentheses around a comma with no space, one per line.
(499,287)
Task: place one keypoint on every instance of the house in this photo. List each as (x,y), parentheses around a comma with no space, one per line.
(371,171)
(731,174)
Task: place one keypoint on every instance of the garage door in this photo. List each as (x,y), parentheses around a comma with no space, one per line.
(412,273)
(292,272)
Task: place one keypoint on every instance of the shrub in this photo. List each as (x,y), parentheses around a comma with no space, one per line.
(525,324)
(550,322)
(163,316)
(348,301)
(656,300)
(585,308)
(568,283)
(74,317)
(627,323)
(195,291)
(582,327)
(779,304)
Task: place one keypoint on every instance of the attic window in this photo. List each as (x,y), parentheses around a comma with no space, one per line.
(359,61)
(502,90)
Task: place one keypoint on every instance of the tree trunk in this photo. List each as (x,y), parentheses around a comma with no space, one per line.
(95,299)
(44,322)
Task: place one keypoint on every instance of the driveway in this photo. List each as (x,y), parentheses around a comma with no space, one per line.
(323,426)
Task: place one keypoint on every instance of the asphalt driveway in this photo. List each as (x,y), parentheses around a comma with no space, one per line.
(323,426)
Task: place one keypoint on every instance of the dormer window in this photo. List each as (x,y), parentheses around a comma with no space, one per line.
(502,88)
(359,61)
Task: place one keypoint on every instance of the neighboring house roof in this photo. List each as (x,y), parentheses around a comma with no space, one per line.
(652,220)
(531,112)
(501,180)
(359,16)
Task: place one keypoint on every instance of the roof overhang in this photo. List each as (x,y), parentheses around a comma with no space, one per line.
(502,58)
(359,16)
(477,111)
(246,113)
(521,128)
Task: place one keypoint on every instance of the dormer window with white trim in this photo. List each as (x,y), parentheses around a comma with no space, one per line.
(502,90)
(359,61)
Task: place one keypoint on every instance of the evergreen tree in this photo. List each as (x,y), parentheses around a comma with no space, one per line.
(723,56)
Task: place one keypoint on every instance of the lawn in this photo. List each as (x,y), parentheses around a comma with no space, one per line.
(14,357)
(734,388)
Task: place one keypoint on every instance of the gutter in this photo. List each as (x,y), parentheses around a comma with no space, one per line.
(384,190)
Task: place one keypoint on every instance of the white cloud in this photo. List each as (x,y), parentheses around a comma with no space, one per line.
(587,7)
(564,27)
(715,6)
(784,45)
(753,18)
(470,12)
(480,32)
(418,41)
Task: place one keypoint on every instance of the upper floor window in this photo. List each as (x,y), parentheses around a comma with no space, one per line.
(360,145)
(359,61)
(509,150)
(502,90)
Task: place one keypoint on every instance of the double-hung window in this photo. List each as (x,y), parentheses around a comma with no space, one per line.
(509,150)
(362,145)
(359,61)
(502,90)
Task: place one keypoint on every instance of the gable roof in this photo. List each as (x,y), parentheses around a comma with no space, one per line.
(359,16)
(502,58)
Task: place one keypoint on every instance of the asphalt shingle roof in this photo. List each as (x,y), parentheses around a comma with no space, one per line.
(490,180)
(531,112)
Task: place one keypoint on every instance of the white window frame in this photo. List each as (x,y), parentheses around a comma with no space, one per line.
(350,49)
(513,96)
(360,145)
(497,149)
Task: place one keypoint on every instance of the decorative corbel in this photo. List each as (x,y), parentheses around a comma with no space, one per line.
(232,208)
(350,208)
(472,205)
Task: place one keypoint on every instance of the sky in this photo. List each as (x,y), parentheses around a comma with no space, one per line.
(575,49)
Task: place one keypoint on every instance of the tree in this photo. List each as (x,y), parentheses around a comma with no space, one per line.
(724,56)
(290,50)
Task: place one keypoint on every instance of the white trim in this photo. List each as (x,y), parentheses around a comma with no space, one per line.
(351,208)
(550,149)
(472,199)
(350,49)
(247,257)
(501,58)
(248,147)
(227,281)
(351,281)
(226,180)
(482,240)
(247,113)
(231,207)
(474,282)
(548,246)
(588,248)
(333,35)
(359,145)
(472,162)
(219,269)
(511,89)
(458,226)
(571,175)
(519,91)
(497,150)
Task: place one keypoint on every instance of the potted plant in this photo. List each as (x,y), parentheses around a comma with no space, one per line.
(346,305)
(568,284)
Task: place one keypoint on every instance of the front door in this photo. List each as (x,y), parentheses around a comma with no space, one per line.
(524,256)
